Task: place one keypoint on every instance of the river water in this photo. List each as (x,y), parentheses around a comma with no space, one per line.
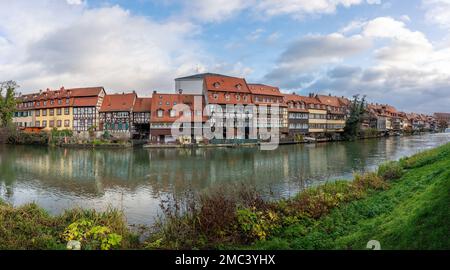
(136,180)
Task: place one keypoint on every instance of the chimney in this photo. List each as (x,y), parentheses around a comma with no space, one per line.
(154,92)
(329,94)
(180,91)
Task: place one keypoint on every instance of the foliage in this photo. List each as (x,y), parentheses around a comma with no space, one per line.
(390,170)
(92,236)
(31,227)
(369,133)
(61,133)
(19,137)
(353,122)
(7,102)
(411,214)
(257,224)
(442,125)
(317,218)
(106,135)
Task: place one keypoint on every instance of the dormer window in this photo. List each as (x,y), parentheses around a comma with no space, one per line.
(216,85)
(238,86)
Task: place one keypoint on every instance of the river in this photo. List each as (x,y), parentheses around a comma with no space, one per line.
(136,180)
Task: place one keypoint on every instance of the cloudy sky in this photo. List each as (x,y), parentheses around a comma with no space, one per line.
(393,51)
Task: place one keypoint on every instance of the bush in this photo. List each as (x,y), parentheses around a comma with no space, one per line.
(390,170)
(41,138)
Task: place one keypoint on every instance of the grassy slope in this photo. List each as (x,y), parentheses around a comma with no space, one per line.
(413,214)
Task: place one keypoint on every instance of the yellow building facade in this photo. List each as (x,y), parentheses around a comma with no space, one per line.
(60,118)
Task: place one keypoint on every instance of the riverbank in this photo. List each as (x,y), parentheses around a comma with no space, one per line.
(404,205)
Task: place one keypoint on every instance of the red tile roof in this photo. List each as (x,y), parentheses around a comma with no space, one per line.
(226,84)
(307,100)
(262,89)
(118,102)
(85,101)
(142,105)
(329,100)
(166,102)
(87,94)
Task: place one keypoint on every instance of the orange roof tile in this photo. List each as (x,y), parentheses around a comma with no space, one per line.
(166,102)
(142,105)
(85,101)
(118,102)
(262,89)
(226,84)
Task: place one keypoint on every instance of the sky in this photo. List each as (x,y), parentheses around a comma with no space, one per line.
(392,51)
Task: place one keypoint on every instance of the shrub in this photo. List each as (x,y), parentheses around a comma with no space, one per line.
(369,181)
(257,225)
(92,236)
(41,138)
(390,170)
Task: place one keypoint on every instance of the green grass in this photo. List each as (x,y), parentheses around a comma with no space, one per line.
(414,213)
(404,205)
(30,227)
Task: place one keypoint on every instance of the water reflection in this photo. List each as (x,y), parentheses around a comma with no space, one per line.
(135,180)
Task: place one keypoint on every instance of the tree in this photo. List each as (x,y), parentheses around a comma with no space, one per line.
(442,125)
(353,123)
(7,102)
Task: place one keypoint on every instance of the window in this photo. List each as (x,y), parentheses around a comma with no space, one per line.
(45,103)
(59,101)
(168,103)
(238,97)
(160,113)
(38,103)
(172,113)
(44,123)
(160,103)
(66,123)
(59,123)
(227,97)
(58,111)
(215,96)
(52,123)
(67,100)
(66,111)
(52,102)
(52,112)
(38,112)
(38,123)
(44,112)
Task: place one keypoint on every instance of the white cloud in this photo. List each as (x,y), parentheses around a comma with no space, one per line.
(437,12)
(75,2)
(405,68)
(221,10)
(53,44)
